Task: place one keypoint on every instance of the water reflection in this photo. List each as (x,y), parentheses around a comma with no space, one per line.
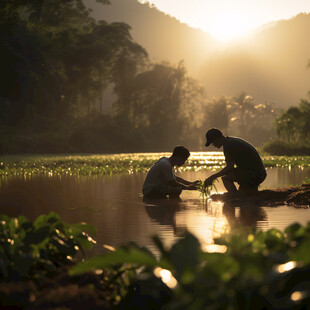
(246,213)
(206,219)
(162,211)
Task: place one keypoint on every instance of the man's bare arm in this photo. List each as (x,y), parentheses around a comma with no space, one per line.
(224,171)
(180,180)
(189,186)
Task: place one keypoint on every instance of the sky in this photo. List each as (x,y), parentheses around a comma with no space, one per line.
(230,19)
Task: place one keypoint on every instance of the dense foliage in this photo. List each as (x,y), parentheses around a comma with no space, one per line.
(58,63)
(293,131)
(34,250)
(242,116)
(242,270)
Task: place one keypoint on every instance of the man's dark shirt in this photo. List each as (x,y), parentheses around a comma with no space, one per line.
(243,155)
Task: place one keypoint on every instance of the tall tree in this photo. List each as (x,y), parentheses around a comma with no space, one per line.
(164,103)
(242,106)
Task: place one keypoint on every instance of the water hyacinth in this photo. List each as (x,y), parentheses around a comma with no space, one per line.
(123,163)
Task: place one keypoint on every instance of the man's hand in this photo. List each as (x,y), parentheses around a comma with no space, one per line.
(209,180)
(191,187)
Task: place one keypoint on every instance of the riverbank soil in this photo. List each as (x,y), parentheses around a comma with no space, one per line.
(298,197)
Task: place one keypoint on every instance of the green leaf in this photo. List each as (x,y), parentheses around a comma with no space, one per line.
(301,253)
(23,263)
(37,236)
(184,253)
(130,255)
(293,230)
(3,268)
(83,227)
(62,246)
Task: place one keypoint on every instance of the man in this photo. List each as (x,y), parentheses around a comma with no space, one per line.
(243,163)
(161,180)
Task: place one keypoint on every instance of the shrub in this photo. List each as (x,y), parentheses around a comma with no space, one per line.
(278,147)
(34,250)
(243,270)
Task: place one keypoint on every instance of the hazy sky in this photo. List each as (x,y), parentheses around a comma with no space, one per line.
(228,19)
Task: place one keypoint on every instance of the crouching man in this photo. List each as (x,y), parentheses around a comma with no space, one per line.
(243,163)
(161,180)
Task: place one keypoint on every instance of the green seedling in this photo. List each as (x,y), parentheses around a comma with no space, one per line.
(205,190)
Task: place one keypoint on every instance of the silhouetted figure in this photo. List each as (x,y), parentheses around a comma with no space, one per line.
(243,163)
(161,181)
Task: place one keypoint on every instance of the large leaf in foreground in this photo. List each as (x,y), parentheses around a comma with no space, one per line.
(123,255)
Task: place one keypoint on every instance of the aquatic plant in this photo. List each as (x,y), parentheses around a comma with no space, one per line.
(286,161)
(307,181)
(205,190)
(122,163)
(34,250)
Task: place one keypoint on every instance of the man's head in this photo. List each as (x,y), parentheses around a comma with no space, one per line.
(214,136)
(180,155)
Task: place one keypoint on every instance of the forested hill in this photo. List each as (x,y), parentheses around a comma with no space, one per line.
(271,64)
(163,36)
(58,63)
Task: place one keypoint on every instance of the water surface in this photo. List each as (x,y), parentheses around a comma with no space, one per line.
(114,205)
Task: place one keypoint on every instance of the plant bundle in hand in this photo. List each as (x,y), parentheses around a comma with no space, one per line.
(205,190)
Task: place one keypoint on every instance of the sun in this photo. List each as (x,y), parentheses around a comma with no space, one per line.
(225,20)
(228,25)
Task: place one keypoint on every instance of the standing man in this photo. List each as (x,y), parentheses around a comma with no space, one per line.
(243,163)
(161,180)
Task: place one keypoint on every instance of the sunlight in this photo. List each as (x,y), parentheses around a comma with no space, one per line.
(206,223)
(166,277)
(286,267)
(228,25)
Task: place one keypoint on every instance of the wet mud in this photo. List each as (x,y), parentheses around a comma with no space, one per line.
(298,197)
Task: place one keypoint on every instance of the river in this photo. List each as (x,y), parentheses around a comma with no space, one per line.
(114,205)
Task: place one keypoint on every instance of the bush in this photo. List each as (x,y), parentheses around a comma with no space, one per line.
(278,147)
(243,270)
(32,251)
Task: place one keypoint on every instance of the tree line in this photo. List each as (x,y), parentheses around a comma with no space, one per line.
(57,62)
(292,131)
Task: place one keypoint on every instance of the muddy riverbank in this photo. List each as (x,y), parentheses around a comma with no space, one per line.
(297,196)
